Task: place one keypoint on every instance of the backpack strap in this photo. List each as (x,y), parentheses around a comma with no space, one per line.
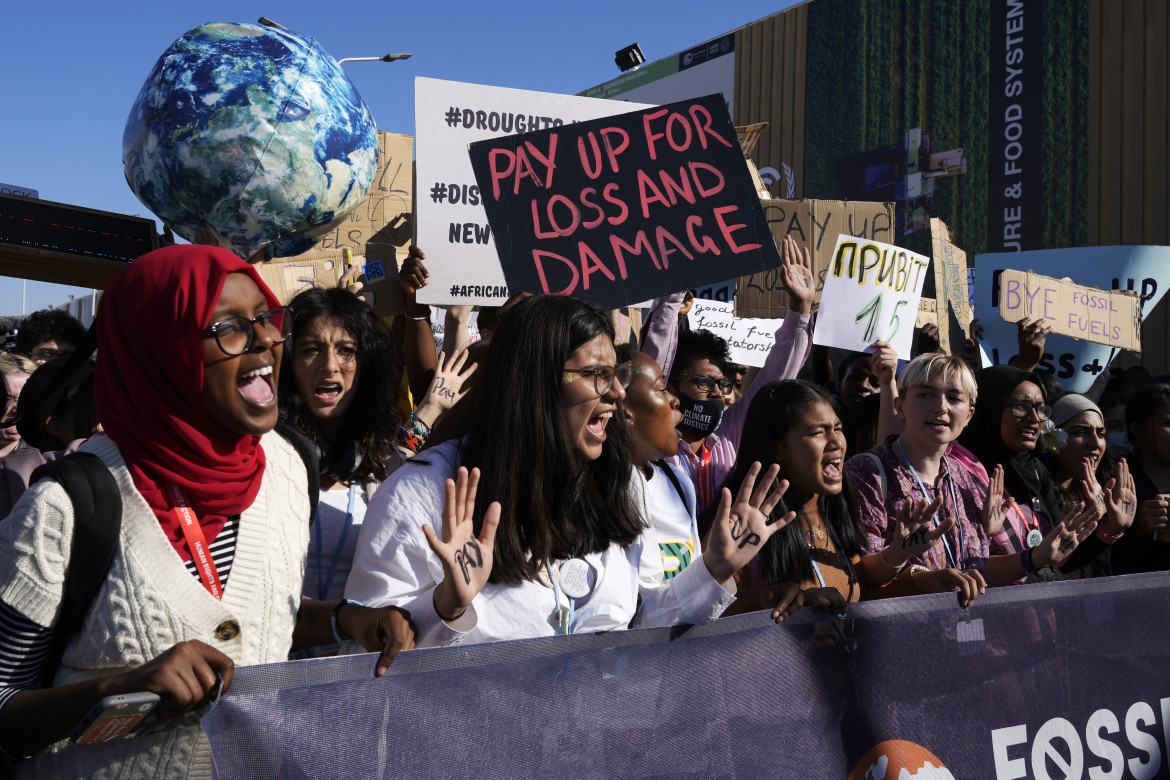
(308,454)
(97,522)
(665,468)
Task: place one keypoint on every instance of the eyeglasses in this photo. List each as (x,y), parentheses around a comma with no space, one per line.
(236,334)
(1020,409)
(45,355)
(604,376)
(706,384)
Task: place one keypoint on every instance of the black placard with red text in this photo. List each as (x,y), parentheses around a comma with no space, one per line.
(625,208)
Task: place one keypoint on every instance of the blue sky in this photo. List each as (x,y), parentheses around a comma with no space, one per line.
(71,70)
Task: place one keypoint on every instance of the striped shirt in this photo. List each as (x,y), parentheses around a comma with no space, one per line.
(25,646)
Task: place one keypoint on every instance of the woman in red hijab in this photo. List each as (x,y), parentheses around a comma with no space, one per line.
(215,523)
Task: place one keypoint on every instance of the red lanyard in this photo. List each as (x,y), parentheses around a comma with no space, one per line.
(196,541)
(706,477)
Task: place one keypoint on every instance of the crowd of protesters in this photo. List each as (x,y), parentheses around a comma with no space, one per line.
(310,479)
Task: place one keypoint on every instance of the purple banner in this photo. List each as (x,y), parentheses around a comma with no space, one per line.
(1056,681)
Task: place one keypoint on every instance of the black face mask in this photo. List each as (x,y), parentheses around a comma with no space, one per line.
(700,416)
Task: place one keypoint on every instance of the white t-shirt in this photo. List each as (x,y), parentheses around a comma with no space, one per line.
(672,540)
(326,542)
(394,565)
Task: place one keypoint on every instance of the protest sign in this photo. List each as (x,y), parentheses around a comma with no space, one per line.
(724,291)
(950,284)
(625,208)
(750,340)
(439,327)
(1075,362)
(871,294)
(1088,313)
(901,689)
(378,232)
(452,227)
(927,313)
(815,224)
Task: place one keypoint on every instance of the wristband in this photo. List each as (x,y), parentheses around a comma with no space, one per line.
(336,631)
(882,555)
(1026,560)
(443,617)
(1107,537)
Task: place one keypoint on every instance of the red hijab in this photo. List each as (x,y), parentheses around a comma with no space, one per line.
(149,387)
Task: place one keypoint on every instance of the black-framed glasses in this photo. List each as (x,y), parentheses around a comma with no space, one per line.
(235,335)
(708,383)
(604,376)
(45,355)
(1020,409)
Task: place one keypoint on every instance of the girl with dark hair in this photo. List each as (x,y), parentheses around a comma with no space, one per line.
(555,539)
(794,425)
(1146,545)
(339,387)
(1004,430)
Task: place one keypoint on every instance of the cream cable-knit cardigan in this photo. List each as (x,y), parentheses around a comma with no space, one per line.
(150,602)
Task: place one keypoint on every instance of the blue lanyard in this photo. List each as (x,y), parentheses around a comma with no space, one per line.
(844,557)
(954,503)
(323,583)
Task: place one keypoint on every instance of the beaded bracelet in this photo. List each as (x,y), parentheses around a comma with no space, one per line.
(882,555)
(413,435)
(1108,538)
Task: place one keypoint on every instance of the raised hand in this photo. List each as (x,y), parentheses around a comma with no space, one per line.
(885,362)
(1059,543)
(1090,489)
(796,274)
(1030,337)
(1120,500)
(742,527)
(994,509)
(413,274)
(1151,517)
(447,387)
(914,533)
(467,561)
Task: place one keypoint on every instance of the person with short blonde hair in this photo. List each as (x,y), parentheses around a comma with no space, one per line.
(923,369)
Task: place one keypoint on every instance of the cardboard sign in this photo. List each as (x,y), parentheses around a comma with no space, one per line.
(871,294)
(950,282)
(439,327)
(927,313)
(626,208)
(1075,362)
(378,232)
(750,339)
(1088,313)
(452,226)
(815,224)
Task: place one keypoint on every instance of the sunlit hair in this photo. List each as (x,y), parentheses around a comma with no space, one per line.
(924,369)
(371,421)
(556,502)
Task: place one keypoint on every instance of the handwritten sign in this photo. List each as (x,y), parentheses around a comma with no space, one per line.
(815,224)
(439,327)
(950,283)
(377,233)
(1075,362)
(927,313)
(750,339)
(452,226)
(1104,317)
(625,208)
(871,294)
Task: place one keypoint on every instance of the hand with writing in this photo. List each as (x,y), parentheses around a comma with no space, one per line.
(1151,516)
(789,598)
(447,387)
(742,527)
(1059,543)
(1030,337)
(885,362)
(1120,500)
(994,508)
(1090,489)
(384,630)
(914,531)
(467,561)
(796,274)
(968,584)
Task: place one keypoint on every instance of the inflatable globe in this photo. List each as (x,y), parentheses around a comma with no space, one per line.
(249,136)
